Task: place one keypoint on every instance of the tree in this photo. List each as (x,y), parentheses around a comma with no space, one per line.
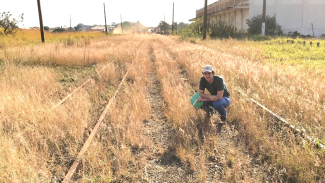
(182,25)
(10,26)
(79,26)
(60,29)
(164,26)
(114,24)
(46,28)
(271,27)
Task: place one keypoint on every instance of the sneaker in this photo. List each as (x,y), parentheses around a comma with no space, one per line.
(211,110)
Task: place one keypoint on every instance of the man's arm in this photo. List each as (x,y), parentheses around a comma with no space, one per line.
(206,97)
(220,94)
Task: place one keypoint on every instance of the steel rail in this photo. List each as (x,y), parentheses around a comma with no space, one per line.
(93,132)
(77,89)
(286,123)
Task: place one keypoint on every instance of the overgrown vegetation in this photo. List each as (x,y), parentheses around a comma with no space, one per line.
(219,29)
(38,144)
(278,51)
(271,27)
(32,37)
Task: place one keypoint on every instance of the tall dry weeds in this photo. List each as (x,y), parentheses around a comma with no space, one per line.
(292,93)
(38,144)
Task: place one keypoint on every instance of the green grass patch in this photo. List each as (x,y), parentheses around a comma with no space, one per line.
(280,50)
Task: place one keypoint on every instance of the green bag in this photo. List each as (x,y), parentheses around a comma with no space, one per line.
(194,101)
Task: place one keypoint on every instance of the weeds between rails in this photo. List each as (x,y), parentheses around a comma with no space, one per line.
(189,58)
(120,151)
(75,113)
(198,145)
(93,132)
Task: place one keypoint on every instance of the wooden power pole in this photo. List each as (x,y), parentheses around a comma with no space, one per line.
(121,23)
(105,19)
(205,20)
(41,20)
(263,17)
(70,22)
(173,20)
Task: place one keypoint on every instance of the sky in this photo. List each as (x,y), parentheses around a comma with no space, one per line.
(90,12)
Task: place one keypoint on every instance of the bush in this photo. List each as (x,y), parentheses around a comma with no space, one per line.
(221,29)
(271,27)
(59,30)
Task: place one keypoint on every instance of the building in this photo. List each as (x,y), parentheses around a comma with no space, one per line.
(303,16)
(98,28)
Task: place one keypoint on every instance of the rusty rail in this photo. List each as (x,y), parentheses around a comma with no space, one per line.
(93,132)
(316,142)
(77,89)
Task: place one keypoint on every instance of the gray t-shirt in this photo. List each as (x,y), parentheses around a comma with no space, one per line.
(218,84)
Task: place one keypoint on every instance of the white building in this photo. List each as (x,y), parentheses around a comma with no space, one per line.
(303,16)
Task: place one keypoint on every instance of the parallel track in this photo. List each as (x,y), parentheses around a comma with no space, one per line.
(286,123)
(77,89)
(93,132)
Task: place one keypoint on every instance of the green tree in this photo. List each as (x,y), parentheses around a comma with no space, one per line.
(182,25)
(60,29)
(46,28)
(164,26)
(10,26)
(271,27)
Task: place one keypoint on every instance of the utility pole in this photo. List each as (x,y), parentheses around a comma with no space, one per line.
(41,20)
(173,20)
(263,17)
(105,19)
(164,17)
(205,20)
(121,24)
(70,22)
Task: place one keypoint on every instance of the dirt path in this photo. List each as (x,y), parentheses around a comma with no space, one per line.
(164,166)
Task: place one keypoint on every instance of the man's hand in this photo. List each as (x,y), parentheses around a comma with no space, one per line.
(200,99)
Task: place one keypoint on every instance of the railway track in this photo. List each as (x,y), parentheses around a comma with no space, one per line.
(77,89)
(93,133)
(316,142)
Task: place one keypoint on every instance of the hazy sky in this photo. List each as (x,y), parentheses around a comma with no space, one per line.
(57,12)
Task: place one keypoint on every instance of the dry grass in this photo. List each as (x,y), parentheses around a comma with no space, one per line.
(84,52)
(30,130)
(292,93)
(115,154)
(32,37)
(38,144)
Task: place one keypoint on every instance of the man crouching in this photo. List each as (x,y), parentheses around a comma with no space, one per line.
(220,96)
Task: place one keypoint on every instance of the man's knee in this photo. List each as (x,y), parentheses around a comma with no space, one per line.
(217,104)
